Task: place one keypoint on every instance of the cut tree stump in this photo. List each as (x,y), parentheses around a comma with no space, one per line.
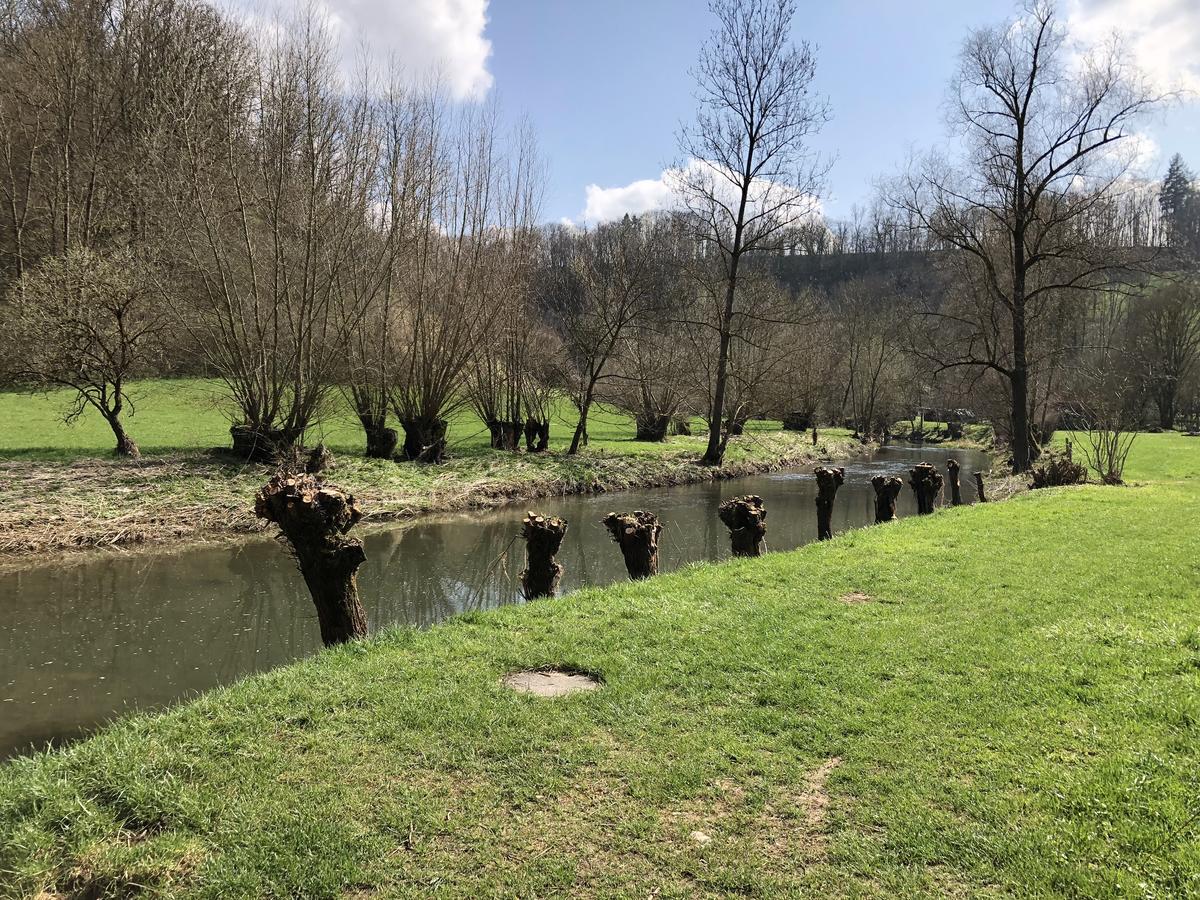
(955,487)
(887,489)
(543,537)
(829,479)
(313,518)
(979,487)
(745,518)
(637,534)
(926,482)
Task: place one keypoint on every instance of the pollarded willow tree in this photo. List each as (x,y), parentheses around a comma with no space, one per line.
(278,217)
(469,259)
(1046,143)
(749,178)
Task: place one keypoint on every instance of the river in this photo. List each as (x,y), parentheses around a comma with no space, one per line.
(90,640)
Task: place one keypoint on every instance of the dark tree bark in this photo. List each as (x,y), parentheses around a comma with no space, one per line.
(979,487)
(424,440)
(745,518)
(125,444)
(320,459)
(505,435)
(314,518)
(734,428)
(537,435)
(815,436)
(797,421)
(955,487)
(887,489)
(651,427)
(381,440)
(543,536)
(926,483)
(637,535)
(681,425)
(829,479)
(262,445)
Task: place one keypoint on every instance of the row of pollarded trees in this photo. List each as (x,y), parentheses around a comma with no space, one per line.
(181,188)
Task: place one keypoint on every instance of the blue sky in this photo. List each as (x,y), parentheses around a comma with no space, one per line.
(606,82)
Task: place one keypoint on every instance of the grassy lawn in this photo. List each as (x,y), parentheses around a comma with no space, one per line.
(1012,709)
(66,491)
(191,414)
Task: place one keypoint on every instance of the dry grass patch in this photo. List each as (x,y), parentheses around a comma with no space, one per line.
(855,597)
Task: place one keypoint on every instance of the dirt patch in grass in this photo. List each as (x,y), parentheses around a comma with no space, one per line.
(550,682)
(855,597)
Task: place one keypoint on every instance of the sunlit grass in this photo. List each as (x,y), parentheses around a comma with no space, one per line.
(1013,710)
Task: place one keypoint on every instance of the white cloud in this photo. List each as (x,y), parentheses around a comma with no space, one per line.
(646,195)
(423,37)
(655,194)
(1162,35)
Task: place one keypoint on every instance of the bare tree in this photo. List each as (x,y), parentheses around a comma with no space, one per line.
(1044,150)
(276,209)
(471,257)
(87,323)
(597,285)
(1166,337)
(748,176)
(868,319)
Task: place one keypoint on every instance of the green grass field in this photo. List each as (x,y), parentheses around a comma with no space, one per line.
(1011,708)
(67,491)
(186,414)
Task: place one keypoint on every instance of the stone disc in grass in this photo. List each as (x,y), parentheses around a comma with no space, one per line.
(550,682)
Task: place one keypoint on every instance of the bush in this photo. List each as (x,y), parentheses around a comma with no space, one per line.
(1056,470)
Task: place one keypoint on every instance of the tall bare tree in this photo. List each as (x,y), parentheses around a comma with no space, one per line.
(597,285)
(1166,340)
(1044,148)
(748,176)
(274,211)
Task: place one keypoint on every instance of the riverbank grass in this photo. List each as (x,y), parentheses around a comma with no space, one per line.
(67,492)
(997,700)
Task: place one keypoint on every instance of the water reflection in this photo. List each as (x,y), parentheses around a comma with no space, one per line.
(86,642)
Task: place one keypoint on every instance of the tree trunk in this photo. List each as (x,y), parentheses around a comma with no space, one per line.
(814,436)
(1165,401)
(537,435)
(681,425)
(745,518)
(887,489)
(314,519)
(637,535)
(979,487)
(735,427)
(580,438)
(651,426)
(955,487)
(125,444)
(261,444)
(505,435)
(424,440)
(926,483)
(1022,458)
(543,537)
(829,479)
(797,421)
(381,440)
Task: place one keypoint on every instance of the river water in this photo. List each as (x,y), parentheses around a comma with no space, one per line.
(88,641)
